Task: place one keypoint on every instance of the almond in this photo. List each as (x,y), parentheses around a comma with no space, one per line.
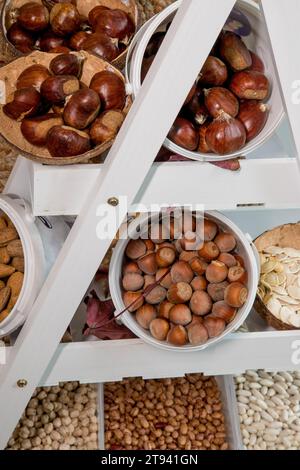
(4,256)
(15,248)
(2,284)
(2,223)
(5,270)
(18,263)
(7,235)
(4,297)
(4,314)
(15,282)
(12,302)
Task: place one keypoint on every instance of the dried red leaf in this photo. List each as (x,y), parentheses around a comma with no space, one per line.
(232,165)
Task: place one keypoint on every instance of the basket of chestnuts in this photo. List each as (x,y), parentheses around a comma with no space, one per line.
(62,108)
(184,280)
(235,104)
(102,27)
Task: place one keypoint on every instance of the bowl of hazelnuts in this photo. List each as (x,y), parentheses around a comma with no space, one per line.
(185,279)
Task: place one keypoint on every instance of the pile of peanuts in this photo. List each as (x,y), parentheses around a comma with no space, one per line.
(184,413)
(63,417)
(269,408)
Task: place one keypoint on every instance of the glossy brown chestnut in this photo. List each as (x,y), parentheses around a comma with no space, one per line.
(135,249)
(234,51)
(236,295)
(35,129)
(179,293)
(60,50)
(181,271)
(64,19)
(199,283)
(106,126)
(116,24)
(23,40)
(250,85)
(225,135)
(25,102)
(196,108)
(133,282)
(184,134)
(154,44)
(159,328)
(215,326)
(180,314)
(82,108)
(49,41)
(110,88)
(217,291)
(177,336)
(135,299)
(222,310)
(66,64)
(144,315)
(56,89)
(164,309)
(201,303)
(203,147)
(94,13)
(78,39)
(209,251)
(214,72)
(197,334)
(64,141)
(257,63)
(190,94)
(34,76)
(33,17)
(254,116)
(216,272)
(102,46)
(148,264)
(219,100)
(147,62)
(226,242)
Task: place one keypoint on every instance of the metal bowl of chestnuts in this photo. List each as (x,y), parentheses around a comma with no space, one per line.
(185,281)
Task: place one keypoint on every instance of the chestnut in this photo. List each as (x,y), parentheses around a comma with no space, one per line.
(166,282)
(164,309)
(217,291)
(227,259)
(184,134)
(159,329)
(133,281)
(25,103)
(200,303)
(82,108)
(106,126)
(196,108)
(180,314)
(203,147)
(254,116)
(222,310)
(148,264)
(147,62)
(35,129)
(226,242)
(144,315)
(191,93)
(49,41)
(225,135)
(198,265)
(214,326)
(216,272)
(56,89)
(177,336)
(156,296)
(237,274)
(77,39)
(199,283)
(110,88)
(34,76)
(234,51)
(102,46)
(64,19)
(257,64)
(22,40)
(116,24)
(210,230)
(64,141)
(165,257)
(197,334)
(60,50)
(181,272)
(94,13)
(219,100)
(66,64)
(154,44)
(33,17)
(236,294)
(250,85)
(179,293)
(133,301)
(214,72)
(209,251)
(131,267)
(135,249)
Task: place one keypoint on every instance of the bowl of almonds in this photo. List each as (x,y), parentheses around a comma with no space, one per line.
(278,295)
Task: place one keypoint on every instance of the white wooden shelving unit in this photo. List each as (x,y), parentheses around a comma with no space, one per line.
(265,193)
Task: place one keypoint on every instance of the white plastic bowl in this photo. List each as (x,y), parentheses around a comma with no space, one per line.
(258,41)
(244,247)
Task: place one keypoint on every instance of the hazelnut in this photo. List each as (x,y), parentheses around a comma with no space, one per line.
(166,282)
(222,310)
(199,283)
(215,326)
(135,249)
(164,309)
(179,293)
(225,242)
(189,241)
(180,314)
(217,291)
(240,261)
(149,280)
(150,246)
(188,256)
(165,256)
(133,282)
(197,334)
(145,315)
(237,274)
(157,295)
(210,230)
(158,233)
(227,259)
(148,263)
(131,267)
(177,336)
(198,265)
(201,303)
(159,328)
(181,272)
(209,251)
(216,272)
(195,321)
(236,294)
(133,300)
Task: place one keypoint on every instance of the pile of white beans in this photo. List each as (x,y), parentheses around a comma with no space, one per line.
(269,408)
